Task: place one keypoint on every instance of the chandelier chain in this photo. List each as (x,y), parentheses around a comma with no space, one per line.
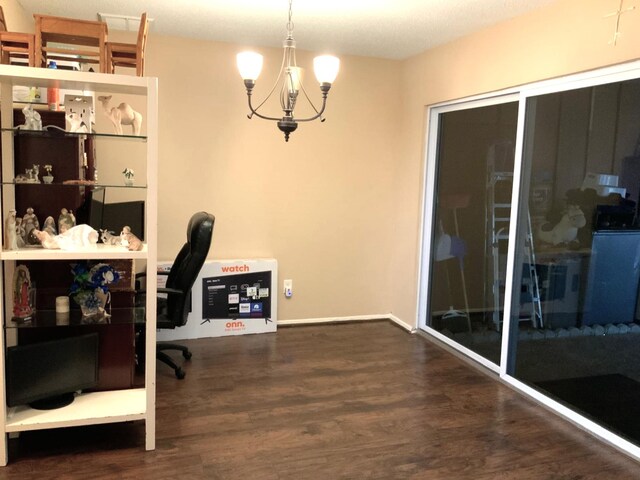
(290,22)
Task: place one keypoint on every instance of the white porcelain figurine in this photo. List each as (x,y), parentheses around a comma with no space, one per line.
(11,239)
(80,236)
(129,240)
(76,124)
(122,115)
(108,238)
(66,220)
(32,119)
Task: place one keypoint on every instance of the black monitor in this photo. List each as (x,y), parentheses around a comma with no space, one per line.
(117,215)
(92,210)
(46,375)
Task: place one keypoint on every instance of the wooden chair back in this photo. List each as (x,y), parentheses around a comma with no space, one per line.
(3,22)
(142,41)
(15,46)
(130,54)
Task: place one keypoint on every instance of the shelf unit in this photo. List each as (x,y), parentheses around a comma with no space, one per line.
(100,406)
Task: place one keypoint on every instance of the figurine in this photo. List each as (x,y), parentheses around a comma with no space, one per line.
(22,303)
(129,240)
(76,124)
(48,178)
(21,234)
(128,176)
(108,238)
(32,119)
(30,175)
(80,236)
(29,222)
(49,226)
(35,171)
(11,239)
(123,115)
(66,220)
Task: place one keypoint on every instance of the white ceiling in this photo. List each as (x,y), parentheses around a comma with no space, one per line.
(379,28)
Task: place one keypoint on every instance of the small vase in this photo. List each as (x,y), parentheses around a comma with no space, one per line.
(89,303)
(47,178)
(89,310)
(128,181)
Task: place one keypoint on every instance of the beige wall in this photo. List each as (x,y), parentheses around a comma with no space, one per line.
(567,37)
(17,19)
(320,204)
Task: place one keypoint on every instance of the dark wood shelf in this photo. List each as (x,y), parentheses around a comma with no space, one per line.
(49,318)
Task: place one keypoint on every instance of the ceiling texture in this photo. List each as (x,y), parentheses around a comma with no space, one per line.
(394,29)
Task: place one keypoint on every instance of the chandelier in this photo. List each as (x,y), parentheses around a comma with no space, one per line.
(290,81)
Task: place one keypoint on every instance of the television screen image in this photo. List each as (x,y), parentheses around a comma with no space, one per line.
(246,295)
(46,375)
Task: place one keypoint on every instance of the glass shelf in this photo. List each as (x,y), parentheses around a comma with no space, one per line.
(56,132)
(60,184)
(49,318)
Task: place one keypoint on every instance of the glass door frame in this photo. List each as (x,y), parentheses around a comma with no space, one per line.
(434,114)
(601,76)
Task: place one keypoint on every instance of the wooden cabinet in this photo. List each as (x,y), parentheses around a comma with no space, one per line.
(124,393)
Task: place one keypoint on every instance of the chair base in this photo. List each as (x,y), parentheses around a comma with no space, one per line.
(164,358)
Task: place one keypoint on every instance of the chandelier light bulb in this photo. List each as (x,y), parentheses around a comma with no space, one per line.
(249,65)
(326,68)
(294,79)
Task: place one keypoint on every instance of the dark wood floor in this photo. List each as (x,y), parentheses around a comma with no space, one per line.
(349,401)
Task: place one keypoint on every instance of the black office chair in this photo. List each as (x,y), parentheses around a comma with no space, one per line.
(173,310)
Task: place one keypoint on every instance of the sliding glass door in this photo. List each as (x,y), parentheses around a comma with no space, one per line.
(579,253)
(470,214)
(531,245)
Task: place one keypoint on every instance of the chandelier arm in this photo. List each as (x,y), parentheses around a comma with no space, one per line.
(309,100)
(275,84)
(254,111)
(319,114)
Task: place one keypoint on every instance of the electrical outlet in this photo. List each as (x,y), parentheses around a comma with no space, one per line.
(288,288)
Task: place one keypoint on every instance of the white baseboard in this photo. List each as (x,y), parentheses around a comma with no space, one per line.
(402,323)
(356,318)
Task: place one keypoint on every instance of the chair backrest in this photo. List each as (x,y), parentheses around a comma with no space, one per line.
(187,266)
(142,35)
(3,22)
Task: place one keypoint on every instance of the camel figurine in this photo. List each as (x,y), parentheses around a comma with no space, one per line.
(122,115)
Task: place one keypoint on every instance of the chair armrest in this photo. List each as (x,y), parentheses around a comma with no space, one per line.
(159,273)
(169,291)
(139,276)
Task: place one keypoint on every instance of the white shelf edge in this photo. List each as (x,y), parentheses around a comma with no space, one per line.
(100,251)
(45,77)
(87,409)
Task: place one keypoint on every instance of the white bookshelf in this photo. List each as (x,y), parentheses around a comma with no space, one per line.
(134,404)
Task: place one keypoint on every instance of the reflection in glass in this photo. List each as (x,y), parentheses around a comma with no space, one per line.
(471,218)
(579,242)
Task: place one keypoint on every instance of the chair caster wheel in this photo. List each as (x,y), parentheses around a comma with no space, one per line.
(180,374)
(187,355)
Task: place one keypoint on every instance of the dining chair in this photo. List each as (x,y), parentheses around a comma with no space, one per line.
(129,54)
(16,47)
